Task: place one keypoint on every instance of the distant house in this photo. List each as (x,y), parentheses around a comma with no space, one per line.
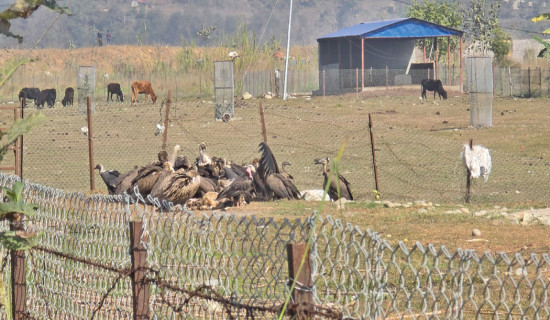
(382,52)
(138,3)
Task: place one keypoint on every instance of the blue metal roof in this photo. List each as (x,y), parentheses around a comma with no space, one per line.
(395,28)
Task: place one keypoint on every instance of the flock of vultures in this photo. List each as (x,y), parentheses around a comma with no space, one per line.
(214,183)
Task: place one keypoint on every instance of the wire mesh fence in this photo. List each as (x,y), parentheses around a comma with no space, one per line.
(80,270)
(412,164)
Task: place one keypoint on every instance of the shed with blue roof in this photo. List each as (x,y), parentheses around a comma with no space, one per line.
(380,53)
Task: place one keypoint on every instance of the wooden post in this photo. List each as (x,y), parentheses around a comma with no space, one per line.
(20,164)
(324,83)
(529,81)
(90,141)
(373,156)
(356,83)
(510,80)
(387,78)
(18,278)
(302,293)
(262,119)
(449,60)
(362,64)
(468,174)
(165,132)
(138,255)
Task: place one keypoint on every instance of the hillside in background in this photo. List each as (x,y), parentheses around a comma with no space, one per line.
(176,22)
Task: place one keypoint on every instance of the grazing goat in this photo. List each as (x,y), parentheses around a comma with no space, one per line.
(114,88)
(46,96)
(433,85)
(69,97)
(29,93)
(139,87)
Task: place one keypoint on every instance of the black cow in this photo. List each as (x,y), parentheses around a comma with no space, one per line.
(28,93)
(433,85)
(69,96)
(114,88)
(46,96)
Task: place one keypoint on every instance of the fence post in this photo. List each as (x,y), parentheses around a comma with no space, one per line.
(356,83)
(262,119)
(373,156)
(90,142)
(468,179)
(18,278)
(529,82)
(387,76)
(510,79)
(324,83)
(165,132)
(140,287)
(302,294)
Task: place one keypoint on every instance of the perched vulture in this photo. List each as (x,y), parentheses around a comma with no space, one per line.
(179,186)
(339,186)
(110,177)
(125,181)
(268,180)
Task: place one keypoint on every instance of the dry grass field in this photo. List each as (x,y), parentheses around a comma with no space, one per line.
(417,143)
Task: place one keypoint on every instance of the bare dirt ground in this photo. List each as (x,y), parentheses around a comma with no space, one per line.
(520,127)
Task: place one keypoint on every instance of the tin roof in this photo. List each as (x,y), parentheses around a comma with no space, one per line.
(411,28)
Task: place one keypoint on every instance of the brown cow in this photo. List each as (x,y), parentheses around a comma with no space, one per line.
(143,87)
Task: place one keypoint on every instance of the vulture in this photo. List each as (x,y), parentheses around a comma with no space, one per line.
(231,170)
(268,180)
(240,190)
(125,181)
(176,186)
(147,176)
(339,186)
(110,177)
(203,159)
(283,171)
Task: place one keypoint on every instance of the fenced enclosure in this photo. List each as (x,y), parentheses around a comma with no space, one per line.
(302,80)
(221,266)
(480,88)
(413,164)
(224,90)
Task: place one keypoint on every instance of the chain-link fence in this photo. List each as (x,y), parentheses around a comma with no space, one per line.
(412,164)
(80,269)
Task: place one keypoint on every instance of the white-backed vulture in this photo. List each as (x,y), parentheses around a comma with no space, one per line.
(268,180)
(283,170)
(148,175)
(240,190)
(180,186)
(204,159)
(339,187)
(110,177)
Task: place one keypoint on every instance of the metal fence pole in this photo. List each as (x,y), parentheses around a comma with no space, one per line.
(373,156)
(468,174)
(324,83)
(140,287)
(302,293)
(90,141)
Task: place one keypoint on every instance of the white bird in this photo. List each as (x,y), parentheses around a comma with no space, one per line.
(84,130)
(232,55)
(160,129)
(477,160)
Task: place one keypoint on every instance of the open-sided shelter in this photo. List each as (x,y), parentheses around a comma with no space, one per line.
(379,53)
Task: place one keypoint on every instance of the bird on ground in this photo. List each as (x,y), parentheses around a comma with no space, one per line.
(339,187)
(176,187)
(233,55)
(204,159)
(268,180)
(240,190)
(283,170)
(147,176)
(110,177)
(125,181)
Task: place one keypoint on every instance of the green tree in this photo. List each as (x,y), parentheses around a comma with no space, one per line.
(483,29)
(545,52)
(445,13)
(23,9)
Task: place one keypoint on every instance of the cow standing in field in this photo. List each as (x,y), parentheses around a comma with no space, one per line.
(69,96)
(433,85)
(114,88)
(46,96)
(145,87)
(28,93)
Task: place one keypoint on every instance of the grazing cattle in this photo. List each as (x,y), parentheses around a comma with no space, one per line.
(139,87)
(114,88)
(433,85)
(46,96)
(28,93)
(69,96)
